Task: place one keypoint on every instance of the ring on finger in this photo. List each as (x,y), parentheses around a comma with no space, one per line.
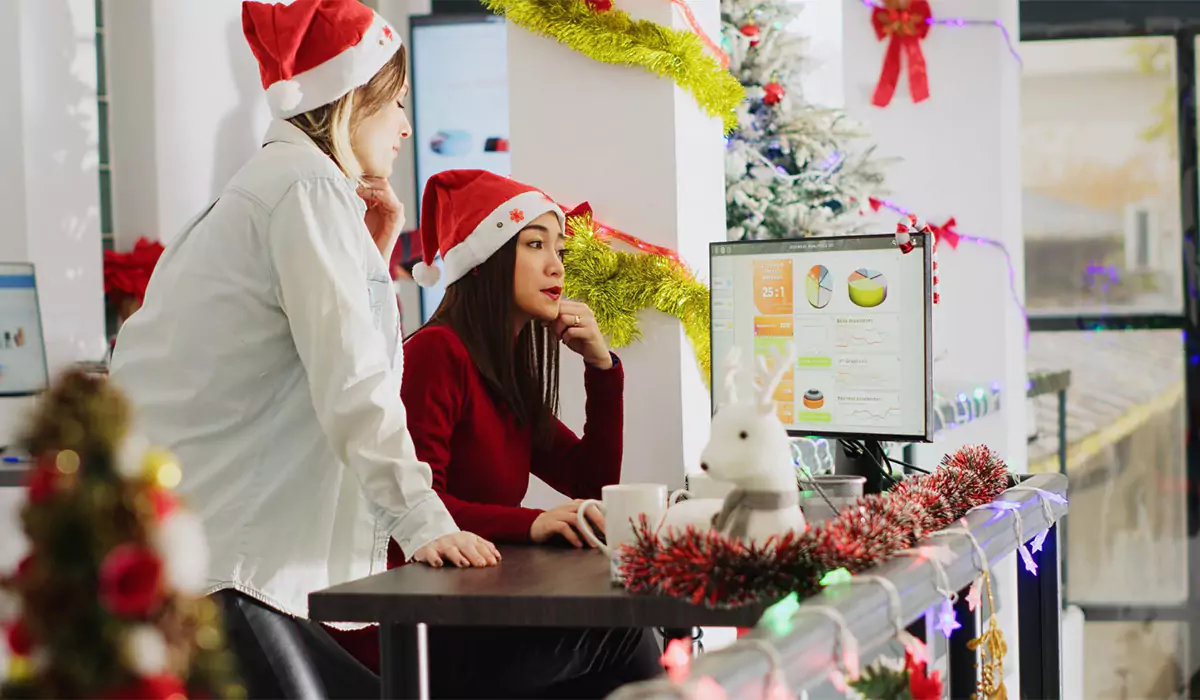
(577,320)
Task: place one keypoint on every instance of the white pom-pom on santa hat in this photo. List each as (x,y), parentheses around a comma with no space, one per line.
(181,544)
(131,456)
(145,650)
(426,275)
(284,95)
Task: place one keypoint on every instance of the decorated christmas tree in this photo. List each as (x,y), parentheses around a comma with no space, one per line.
(792,168)
(107,603)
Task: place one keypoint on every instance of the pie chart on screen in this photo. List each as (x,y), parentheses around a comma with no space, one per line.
(818,287)
(868,288)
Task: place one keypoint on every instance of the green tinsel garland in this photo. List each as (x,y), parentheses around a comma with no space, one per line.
(615,37)
(617,285)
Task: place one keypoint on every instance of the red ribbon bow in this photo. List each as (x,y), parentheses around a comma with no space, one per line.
(907,23)
(946,233)
(608,233)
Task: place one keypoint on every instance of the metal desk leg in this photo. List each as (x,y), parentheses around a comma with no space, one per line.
(964,671)
(1039,621)
(400,667)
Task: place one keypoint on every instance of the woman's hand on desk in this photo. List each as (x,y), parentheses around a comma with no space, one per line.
(560,520)
(462,549)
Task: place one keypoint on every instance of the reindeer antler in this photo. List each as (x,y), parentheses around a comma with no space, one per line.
(733,363)
(773,375)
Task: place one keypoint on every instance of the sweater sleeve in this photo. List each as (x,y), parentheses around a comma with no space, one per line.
(580,467)
(434,391)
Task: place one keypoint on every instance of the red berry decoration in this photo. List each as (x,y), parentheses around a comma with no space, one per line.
(773,93)
(600,5)
(751,32)
(131,581)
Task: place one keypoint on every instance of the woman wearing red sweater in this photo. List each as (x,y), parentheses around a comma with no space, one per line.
(481,385)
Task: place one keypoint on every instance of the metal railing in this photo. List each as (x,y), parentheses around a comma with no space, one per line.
(806,652)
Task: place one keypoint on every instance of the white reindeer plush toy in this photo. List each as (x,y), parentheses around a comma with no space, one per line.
(750,448)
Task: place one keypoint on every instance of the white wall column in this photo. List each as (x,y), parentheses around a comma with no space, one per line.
(49,190)
(49,168)
(960,152)
(187,110)
(650,162)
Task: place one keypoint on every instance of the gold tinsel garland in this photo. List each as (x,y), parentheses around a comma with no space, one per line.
(992,649)
(617,285)
(616,38)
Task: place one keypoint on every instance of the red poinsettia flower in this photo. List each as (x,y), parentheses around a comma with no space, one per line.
(127,274)
(161,687)
(131,581)
(921,684)
(19,639)
(41,482)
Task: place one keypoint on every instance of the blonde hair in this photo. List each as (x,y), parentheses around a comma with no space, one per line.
(332,126)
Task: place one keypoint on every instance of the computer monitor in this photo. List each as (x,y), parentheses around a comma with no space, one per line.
(460,103)
(23,370)
(858,312)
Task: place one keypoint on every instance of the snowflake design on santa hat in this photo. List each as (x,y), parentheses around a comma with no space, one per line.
(387,31)
(516,215)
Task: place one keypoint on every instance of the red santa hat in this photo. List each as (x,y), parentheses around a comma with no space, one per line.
(312,52)
(467,215)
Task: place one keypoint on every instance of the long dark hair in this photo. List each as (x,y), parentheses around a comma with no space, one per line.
(522,375)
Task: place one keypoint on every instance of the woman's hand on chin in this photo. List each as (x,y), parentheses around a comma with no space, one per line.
(385,214)
(462,549)
(576,328)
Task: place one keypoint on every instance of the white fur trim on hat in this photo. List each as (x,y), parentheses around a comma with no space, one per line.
(494,231)
(352,68)
(284,95)
(425,275)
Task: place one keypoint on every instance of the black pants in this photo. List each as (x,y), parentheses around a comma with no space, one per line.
(285,657)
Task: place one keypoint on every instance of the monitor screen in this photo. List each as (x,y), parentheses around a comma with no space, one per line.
(22,352)
(460,103)
(857,312)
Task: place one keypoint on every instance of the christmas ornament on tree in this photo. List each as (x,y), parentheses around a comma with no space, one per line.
(106,604)
(773,94)
(751,32)
(792,168)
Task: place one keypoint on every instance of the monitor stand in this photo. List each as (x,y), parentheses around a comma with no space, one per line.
(866,465)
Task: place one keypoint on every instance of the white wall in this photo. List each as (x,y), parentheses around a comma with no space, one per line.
(186,106)
(49,187)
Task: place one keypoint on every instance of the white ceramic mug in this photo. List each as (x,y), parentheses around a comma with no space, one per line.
(622,506)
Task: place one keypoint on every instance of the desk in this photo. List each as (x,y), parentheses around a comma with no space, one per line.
(532,587)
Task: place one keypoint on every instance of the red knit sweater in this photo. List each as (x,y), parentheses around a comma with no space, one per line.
(481,458)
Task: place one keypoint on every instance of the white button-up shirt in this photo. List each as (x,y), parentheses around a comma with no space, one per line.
(267,357)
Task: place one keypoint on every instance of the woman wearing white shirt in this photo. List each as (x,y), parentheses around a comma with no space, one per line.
(267,354)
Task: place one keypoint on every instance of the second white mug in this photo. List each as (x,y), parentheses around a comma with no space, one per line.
(622,506)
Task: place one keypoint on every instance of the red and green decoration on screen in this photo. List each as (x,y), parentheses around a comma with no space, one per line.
(108,601)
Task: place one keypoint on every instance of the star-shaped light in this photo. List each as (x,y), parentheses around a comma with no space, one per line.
(1030,564)
(937,553)
(947,621)
(677,659)
(975,595)
(708,689)
(778,617)
(1039,540)
(836,577)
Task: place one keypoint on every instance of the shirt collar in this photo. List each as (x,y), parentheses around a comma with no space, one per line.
(283,131)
